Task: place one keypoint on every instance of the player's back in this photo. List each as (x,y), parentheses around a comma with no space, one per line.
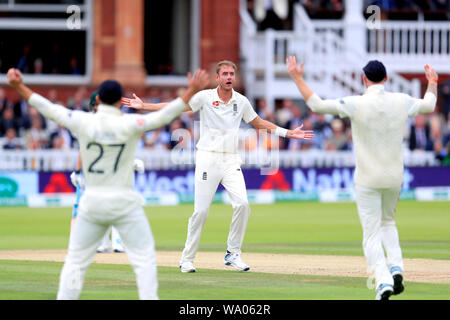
(107,147)
(378,127)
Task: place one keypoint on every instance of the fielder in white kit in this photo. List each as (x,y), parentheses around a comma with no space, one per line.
(108,140)
(217,161)
(378,122)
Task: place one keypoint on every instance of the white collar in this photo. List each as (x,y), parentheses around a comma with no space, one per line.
(106,108)
(217,98)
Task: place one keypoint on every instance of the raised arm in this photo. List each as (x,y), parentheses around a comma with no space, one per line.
(428,103)
(314,102)
(297,133)
(57,113)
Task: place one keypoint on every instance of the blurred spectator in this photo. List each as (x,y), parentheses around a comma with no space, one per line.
(74,68)
(439,151)
(3,100)
(38,66)
(55,59)
(12,142)
(79,102)
(9,121)
(157,139)
(440,4)
(339,139)
(294,122)
(284,114)
(36,137)
(322,130)
(419,138)
(58,143)
(63,137)
(24,61)
(30,114)
(153,96)
(445,93)
(263,111)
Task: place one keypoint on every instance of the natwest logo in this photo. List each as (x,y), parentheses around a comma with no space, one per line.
(215,103)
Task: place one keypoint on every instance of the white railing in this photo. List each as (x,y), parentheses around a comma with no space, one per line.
(56,160)
(408,45)
(333,65)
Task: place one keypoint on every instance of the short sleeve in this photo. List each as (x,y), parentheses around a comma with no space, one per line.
(249,113)
(197,101)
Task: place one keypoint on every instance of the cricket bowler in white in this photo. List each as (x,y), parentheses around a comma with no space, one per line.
(378,123)
(217,161)
(108,140)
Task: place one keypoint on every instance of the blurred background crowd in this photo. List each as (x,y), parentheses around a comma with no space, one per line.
(23,128)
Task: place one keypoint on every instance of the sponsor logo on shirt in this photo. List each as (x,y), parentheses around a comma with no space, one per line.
(205,176)
(234,109)
(140,122)
(215,104)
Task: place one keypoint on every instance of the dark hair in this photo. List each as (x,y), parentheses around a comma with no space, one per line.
(375,71)
(110,92)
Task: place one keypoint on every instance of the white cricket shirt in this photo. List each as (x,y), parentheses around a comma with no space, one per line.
(108,140)
(220,121)
(378,123)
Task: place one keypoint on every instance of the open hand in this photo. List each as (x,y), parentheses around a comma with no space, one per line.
(300,134)
(135,103)
(199,80)
(430,73)
(295,71)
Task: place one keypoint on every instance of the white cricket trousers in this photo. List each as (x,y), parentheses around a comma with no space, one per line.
(86,236)
(212,168)
(376,209)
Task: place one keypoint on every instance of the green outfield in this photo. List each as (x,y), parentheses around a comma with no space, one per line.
(292,228)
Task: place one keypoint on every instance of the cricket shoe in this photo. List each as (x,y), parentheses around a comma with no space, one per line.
(398,280)
(384,292)
(103,249)
(117,245)
(118,248)
(235,260)
(187,267)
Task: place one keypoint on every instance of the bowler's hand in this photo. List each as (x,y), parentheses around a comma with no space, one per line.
(135,103)
(300,134)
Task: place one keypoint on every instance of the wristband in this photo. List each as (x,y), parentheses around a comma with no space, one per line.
(77,171)
(281,132)
(433,80)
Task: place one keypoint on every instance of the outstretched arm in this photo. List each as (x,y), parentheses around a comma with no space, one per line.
(154,120)
(297,133)
(138,104)
(57,113)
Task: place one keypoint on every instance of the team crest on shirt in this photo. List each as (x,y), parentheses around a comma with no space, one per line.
(215,104)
